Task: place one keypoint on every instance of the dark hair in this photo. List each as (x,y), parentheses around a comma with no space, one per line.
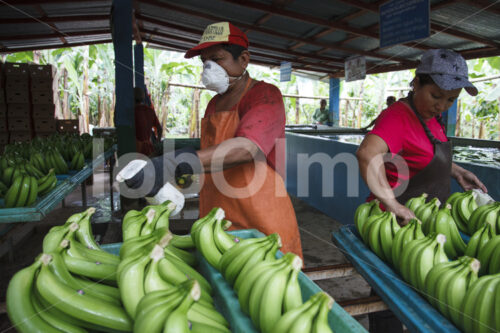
(234,49)
(423,79)
(322,101)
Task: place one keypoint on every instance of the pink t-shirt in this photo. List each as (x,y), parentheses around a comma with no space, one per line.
(403,133)
(262,120)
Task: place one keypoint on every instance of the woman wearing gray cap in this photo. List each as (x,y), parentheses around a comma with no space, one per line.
(410,130)
(407,152)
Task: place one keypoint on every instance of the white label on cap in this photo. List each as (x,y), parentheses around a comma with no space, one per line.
(130,170)
(217,32)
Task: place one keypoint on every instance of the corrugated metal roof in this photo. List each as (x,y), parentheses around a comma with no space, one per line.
(315,35)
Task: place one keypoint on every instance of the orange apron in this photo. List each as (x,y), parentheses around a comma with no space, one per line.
(266,205)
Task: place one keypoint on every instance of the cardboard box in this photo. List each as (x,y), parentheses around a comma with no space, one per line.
(41,83)
(13,69)
(16,82)
(20,137)
(3,125)
(3,111)
(19,124)
(67,126)
(2,96)
(45,125)
(18,110)
(18,96)
(42,97)
(44,134)
(4,138)
(43,111)
(45,71)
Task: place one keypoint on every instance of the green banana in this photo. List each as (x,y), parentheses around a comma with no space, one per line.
(362,213)
(286,322)
(177,320)
(425,213)
(488,254)
(416,202)
(223,240)
(79,305)
(131,283)
(11,197)
(411,231)
(20,309)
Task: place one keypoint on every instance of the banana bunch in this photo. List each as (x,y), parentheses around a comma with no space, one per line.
(54,160)
(78,161)
(178,309)
(488,213)
(240,259)
(425,213)
(443,223)
(39,162)
(144,222)
(379,233)
(264,291)
(3,189)
(210,237)
(448,283)
(312,316)
(32,170)
(406,234)
(419,256)
(364,211)
(479,239)
(489,256)
(11,173)
(463,204)
(53,296)
(22,192)
(416,202)
(480,309)
(144,269)
(47,183)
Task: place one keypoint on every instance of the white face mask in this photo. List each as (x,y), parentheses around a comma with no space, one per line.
(215,78)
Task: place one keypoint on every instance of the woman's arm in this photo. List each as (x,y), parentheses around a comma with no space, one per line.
(228,154)
(466,179)
(372,169)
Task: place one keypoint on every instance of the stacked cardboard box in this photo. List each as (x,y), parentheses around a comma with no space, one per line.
(17,95)
(43,108)
(4,133)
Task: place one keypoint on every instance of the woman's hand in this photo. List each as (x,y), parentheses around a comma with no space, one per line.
(466,179)
(403,213)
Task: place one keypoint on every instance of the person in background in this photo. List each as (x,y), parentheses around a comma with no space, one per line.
(412,133)
(246,118)
(389,101)
(321,115)
(147,126)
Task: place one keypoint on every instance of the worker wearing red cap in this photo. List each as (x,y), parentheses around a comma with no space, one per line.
(242,156)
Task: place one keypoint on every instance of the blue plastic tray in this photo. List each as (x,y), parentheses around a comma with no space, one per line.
(226,300)
(67,183)
(407,304)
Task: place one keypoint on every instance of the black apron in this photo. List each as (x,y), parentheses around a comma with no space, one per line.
(435,178)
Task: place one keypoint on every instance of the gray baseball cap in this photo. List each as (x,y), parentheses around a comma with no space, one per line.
(447,69)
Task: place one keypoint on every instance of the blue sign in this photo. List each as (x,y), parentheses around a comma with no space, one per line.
(404,21)
(285,71)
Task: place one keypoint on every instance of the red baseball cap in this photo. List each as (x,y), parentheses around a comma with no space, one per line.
(219,33)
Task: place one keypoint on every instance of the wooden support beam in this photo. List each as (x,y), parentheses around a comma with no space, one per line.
(301,17)
(32,48)
(54,19)
(329,271)
(464,35)
(492,7)
(271,32)
(51,25)
(264,18)
(56,35)
(363,306)
(36,2)
(334,61)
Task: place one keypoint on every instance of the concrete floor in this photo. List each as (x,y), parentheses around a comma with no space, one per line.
(315,229)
